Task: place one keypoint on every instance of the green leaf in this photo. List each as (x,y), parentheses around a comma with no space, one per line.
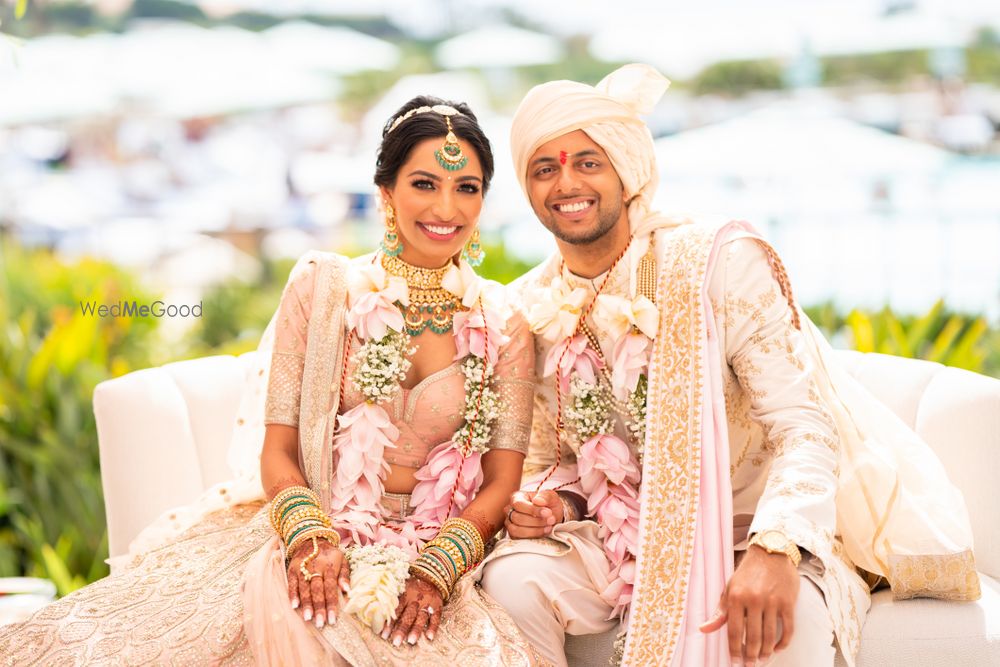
(57,571)
(864,332)
(945,339)
(921,328)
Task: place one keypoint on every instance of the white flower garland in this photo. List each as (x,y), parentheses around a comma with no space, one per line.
(477,374)
(378,578)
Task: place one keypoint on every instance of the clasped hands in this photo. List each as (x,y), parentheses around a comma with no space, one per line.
(532,513)
(318,600)
(763,591)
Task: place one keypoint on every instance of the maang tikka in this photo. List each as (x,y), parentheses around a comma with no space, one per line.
(390,241)
(450,154)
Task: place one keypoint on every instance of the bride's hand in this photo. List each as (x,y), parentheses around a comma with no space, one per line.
(318,596)
(419,611)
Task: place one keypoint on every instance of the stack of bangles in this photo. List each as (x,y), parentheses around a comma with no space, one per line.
(457,548)
(296,516)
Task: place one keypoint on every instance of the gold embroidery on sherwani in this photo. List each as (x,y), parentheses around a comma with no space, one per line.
(671,467)
(947,577)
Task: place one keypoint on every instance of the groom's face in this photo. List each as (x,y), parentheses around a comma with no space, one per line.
(574,190)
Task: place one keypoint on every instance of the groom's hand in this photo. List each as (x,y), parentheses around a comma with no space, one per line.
(763,589)
(532,513)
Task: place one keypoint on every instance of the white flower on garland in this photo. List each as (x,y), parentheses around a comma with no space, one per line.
(378,578)
(637,414)
(554,311)
(588,412)
(382,365)
(481,413)
(617,315)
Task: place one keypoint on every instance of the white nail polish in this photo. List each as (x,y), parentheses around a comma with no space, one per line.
(308,614)
(319,621)
(397,640)
(295,603)
(411,640)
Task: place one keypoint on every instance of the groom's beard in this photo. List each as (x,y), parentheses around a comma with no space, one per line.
(606,220)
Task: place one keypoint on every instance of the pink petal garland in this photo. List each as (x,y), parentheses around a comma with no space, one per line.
(578,357)
(628,361)
(364,433)
(445,464)
(479,335)
(609,475)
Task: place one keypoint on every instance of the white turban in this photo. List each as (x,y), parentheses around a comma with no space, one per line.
(609,114)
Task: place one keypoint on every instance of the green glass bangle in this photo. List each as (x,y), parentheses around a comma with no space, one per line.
(289,508)
(314,523)
(461,549)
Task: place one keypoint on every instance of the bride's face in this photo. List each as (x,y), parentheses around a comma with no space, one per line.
(436,209)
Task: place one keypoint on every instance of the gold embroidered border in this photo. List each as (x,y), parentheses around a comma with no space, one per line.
(671,467)
(946,577)
(321,376)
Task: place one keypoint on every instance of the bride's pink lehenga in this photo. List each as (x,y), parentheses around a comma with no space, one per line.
(217,595)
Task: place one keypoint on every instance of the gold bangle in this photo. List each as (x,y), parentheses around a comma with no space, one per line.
(300,516)
(296,519)
(327,534)
(470,534)
(429,577)
(286,497)
(437,568)
(452,550)
(282,496)
(302,528)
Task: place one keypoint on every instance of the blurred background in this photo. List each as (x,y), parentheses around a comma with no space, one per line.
(190,150)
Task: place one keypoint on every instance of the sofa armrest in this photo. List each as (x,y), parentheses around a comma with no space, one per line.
(163,435)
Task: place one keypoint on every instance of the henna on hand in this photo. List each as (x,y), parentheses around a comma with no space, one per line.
(284,483)
(487,528)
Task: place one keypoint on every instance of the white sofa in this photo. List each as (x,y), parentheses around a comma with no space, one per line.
(164,432)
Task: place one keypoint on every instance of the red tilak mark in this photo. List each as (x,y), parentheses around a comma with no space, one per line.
(562,157)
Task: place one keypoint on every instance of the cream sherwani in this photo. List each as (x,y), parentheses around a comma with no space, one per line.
(782,448)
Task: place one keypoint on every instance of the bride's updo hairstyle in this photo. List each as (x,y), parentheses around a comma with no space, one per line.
(401,133)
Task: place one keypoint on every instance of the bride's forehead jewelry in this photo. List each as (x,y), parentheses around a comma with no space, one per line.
(439,109)
(450,154)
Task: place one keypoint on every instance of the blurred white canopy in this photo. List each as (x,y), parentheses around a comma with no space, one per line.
(498,46)
(182,70)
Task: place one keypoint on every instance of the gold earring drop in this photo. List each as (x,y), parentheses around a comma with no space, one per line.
(391,244)
(473,252)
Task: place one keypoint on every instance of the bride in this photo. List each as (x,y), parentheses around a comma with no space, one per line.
(397,413)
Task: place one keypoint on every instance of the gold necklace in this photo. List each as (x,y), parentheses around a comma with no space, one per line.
(431,306)
(416,276)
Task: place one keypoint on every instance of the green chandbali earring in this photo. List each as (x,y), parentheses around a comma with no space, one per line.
(473,252)
(450,154)
(391,244)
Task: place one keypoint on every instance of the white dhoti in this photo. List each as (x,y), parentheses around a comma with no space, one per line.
(552,588)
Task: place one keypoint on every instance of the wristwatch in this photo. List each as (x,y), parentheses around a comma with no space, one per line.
(775,542)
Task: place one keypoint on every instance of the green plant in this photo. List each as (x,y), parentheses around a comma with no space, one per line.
(953,339)
(52,355)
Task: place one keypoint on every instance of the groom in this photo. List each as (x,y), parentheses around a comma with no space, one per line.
(677,406)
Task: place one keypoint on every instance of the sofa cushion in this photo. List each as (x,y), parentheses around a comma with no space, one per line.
(931,633)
